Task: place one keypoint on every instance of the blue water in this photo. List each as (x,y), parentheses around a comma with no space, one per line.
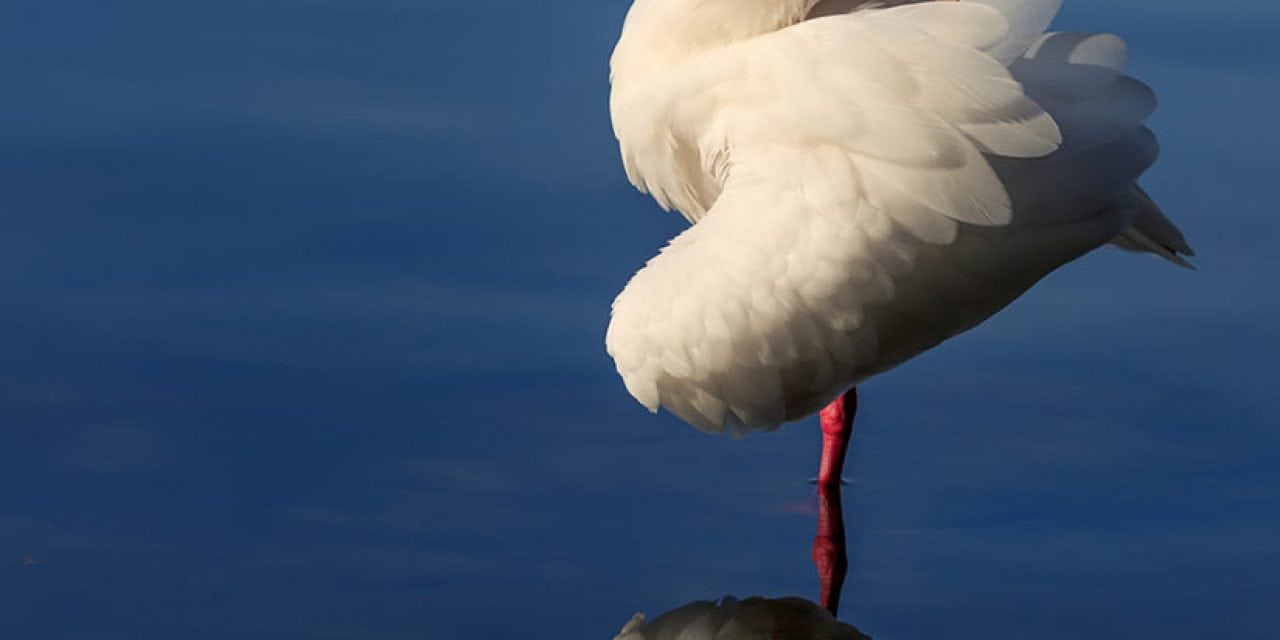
(301,338)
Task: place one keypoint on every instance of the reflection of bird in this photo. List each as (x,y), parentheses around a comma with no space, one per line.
(764,618)
(750,619)
(866,181)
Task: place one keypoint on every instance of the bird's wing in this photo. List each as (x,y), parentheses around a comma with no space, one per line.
(917,92)
(906,93)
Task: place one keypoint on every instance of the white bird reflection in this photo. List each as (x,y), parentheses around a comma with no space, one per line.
(758,618)
(750,619)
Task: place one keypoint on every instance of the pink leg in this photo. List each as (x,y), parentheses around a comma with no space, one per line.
(837,427)
(829,554)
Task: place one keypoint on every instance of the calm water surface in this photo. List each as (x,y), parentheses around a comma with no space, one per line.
(301,338)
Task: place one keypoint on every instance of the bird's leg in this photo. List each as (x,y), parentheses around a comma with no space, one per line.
(837,427)
(829,554)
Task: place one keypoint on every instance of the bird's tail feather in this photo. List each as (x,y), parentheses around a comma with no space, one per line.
(1152,231)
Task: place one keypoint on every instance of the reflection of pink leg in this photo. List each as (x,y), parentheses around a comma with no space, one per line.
(828,547)
(837,426)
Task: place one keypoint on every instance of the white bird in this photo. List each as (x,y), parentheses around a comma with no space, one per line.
(866,180)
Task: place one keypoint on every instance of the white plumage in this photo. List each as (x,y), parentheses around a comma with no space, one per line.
(865,180)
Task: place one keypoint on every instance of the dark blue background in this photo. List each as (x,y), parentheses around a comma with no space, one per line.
(303,304)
